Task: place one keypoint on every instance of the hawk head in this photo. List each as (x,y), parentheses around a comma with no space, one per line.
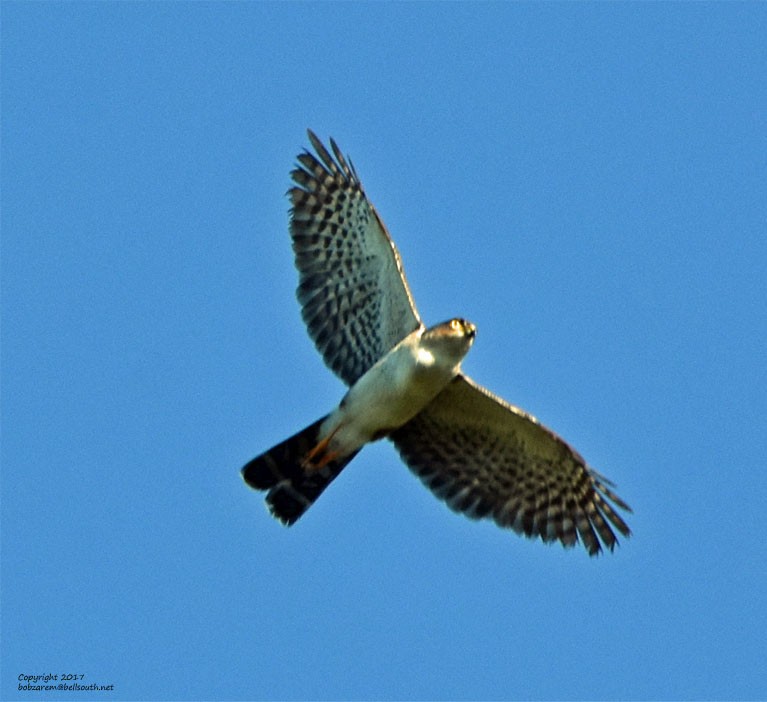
(449,341)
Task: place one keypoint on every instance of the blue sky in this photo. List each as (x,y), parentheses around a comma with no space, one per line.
(585,182)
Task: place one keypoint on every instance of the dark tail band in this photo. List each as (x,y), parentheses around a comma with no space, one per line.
(292,489)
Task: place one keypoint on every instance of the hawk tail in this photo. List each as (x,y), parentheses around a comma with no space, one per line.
(280,470)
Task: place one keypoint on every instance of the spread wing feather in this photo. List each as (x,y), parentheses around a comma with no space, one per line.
(487,458)
(354,296)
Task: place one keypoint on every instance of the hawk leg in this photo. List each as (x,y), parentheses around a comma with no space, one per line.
(320,456)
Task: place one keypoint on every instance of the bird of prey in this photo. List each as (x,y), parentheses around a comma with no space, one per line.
(481,455)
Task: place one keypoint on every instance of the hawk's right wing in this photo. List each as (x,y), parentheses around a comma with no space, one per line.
(354,296)
(487,458)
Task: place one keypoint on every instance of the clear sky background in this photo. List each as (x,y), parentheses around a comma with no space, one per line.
(585,182)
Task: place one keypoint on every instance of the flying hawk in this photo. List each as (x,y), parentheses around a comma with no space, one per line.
(481,455)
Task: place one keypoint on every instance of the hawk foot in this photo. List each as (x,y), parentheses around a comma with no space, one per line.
(320,455)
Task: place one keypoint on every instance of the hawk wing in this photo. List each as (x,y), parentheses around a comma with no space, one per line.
(354,296)
(487,458)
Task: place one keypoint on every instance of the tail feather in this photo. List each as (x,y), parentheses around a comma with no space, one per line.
(292,488)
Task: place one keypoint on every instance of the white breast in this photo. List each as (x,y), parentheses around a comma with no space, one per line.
(391,393)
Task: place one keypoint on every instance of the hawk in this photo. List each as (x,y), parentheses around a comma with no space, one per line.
(481,455)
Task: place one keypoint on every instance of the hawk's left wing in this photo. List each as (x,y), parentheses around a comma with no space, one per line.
(487,458)
(354,297)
